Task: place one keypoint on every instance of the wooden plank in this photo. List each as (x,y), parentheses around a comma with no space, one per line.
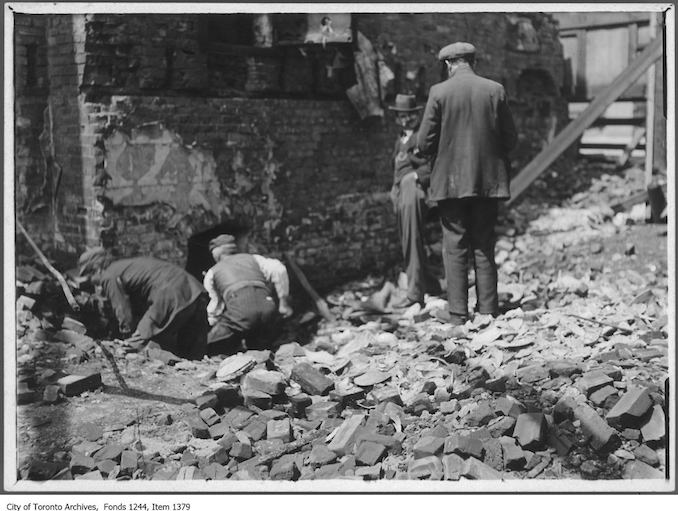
(320,304)
(573,130)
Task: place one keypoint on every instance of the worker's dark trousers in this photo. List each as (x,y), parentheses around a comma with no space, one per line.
(250,314)
(186,336)
(411,212)
(468,224)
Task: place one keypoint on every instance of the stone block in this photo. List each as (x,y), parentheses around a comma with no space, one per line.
(281,429)
(630,409)
(311,380)
(95,475)
(428,446)
(348,395)
(228,439)
(601,435)
(369,473)
(453,466)
(501,426)
(111,451)
(344,438)
(321,455)
(464,446)
(198,427)
(75,384)
(646,455)
(323,410)
(514,456)
(392,443)
(299,404)
(209,416)
(256,429)
(508,406)
(419,403)
(256,398)
(448,407)
(480,415)
(80,463)
(387,394)
(128,461)
(210,400)
(589,382)
(215,472)
(369,453)
(241,451)
(599,397)
(654,430)
(425,468)
(529,430)
(636,469)
(284,469)
(269,382)
(228,395)
(476,469)
(218,430)
(237,417)
(106,466)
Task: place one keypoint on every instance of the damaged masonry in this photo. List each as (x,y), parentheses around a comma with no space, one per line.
(151,135)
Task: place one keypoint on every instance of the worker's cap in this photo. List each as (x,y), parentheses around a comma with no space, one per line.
(405,103)
(458,49)
(221,240)
(93,259)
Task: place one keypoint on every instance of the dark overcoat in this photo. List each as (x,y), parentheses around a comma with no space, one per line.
(147,293)
(468,130)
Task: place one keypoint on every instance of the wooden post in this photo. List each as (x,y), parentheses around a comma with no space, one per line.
(581,88)
(649,111)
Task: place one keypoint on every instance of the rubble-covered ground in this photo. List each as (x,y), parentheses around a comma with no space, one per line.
(569,382)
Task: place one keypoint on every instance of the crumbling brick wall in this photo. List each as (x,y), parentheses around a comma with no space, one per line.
(162,131)
(32,180)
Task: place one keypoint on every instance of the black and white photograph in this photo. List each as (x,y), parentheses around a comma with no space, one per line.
(337,248)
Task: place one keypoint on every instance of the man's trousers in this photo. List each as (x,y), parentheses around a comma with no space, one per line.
(411,210)
(468,227)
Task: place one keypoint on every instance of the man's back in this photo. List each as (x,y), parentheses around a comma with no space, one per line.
(468,129)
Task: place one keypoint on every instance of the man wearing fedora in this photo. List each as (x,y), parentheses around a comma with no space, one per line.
(410,183)
(468,130)
(248,294)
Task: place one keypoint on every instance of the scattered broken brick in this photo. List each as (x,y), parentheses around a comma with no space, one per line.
(630,409)
(311,380)
(529,430)
(73,385)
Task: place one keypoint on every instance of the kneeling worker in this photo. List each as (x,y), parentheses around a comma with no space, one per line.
(157,304)
(242,289)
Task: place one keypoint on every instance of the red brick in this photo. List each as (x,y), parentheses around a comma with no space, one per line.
(311,380)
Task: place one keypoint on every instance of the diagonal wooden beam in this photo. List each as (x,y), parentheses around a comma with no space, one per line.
(572,131)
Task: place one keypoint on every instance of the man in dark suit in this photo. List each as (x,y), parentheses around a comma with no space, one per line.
(468,129)
(411,176)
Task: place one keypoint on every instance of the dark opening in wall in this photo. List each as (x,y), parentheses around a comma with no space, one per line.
(199,258)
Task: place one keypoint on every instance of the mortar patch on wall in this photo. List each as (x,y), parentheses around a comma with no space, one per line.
(152,165)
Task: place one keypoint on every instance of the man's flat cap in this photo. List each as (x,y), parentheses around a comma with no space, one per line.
(458,49)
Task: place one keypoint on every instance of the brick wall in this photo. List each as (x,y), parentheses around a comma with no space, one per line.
(32,181)
(162,131)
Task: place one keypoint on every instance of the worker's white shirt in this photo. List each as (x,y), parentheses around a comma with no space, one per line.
(274,272)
